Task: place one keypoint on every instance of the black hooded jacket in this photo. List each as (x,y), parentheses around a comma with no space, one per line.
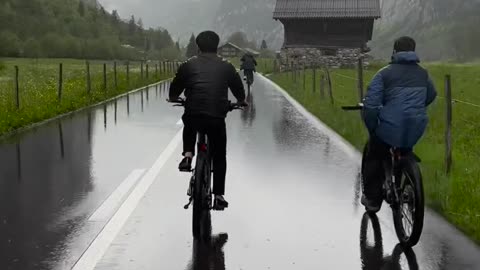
(248,62)
(206,79)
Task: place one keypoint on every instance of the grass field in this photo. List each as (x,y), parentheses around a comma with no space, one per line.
(265,65)
(456,196)
(38,88)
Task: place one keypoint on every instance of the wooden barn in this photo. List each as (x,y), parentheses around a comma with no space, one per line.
(334,31)
(229,50)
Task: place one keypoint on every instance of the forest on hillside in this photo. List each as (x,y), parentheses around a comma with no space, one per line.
(78,29)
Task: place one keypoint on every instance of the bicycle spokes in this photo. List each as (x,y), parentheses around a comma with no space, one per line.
(407,205)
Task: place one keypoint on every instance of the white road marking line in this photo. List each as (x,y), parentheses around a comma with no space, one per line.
(180,122)
(107,209)
(102,242)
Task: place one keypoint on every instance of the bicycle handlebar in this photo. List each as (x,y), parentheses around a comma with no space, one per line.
(357,107)
(232,106)
(236,106)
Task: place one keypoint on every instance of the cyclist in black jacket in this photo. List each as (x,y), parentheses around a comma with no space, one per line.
(206,79)
(248,66)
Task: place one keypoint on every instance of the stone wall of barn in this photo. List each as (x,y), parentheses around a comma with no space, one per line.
(333,58)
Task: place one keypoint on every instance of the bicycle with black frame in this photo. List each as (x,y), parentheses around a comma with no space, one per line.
(402,190)
(249,77)
(200,186)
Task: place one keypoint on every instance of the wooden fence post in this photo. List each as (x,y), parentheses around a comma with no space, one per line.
(105,77)
(314,78)
(164,67)
(146,70)
(141,70)
(89,79)
(156,70)
(304,77)
(115,75)
(448,131)
(291,69)
(330,90)
(17,88)
(360,78)
(128,73)
(322,86)
(60,82)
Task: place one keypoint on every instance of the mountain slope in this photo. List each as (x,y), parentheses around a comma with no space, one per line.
(443,29)
(252,17)
(73,28)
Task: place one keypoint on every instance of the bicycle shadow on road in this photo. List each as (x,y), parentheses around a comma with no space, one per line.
(207,251)
(372,256)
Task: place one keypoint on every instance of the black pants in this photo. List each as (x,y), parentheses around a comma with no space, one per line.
(376,152)
(217,135)
(249,74)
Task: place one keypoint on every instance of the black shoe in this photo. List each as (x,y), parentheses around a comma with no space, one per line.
(185,165)
(220,203)
(370,205)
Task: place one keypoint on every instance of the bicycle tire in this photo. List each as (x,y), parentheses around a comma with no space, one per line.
(198,196)
(411,170)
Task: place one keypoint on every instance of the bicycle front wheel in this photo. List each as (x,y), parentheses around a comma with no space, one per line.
(408,212)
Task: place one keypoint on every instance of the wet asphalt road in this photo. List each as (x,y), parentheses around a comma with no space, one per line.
(68,187)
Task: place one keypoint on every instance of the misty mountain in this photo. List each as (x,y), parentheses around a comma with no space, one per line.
(444,29)
(252,17)
(184,17)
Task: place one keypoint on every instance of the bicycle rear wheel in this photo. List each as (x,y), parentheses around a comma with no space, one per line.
(200,213)
(408,212)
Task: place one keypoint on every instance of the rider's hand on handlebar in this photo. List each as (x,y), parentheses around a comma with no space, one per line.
(176,100)
(242,103)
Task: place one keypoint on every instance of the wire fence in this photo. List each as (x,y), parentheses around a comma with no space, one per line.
(343,82)
(31,91)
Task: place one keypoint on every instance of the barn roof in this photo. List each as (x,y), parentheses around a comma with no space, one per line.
(317,9)
(233,45)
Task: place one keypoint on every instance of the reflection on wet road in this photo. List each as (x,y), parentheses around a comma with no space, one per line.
(68,187)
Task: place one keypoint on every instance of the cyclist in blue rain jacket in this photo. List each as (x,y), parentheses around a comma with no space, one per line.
(395,114)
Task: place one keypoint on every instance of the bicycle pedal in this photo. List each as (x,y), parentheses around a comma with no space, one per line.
(217,208)
(188,204)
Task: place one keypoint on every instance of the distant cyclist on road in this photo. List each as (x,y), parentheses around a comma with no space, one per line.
(395,113)
(248,66)
(206,79)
